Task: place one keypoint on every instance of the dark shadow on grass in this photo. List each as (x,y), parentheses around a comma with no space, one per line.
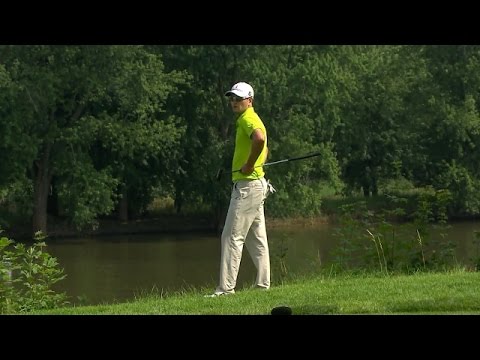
(433,306)
(315,310)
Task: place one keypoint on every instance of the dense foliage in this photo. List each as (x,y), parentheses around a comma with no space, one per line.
(27,277)
(92,131)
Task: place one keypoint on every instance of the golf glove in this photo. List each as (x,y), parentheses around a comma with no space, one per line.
(270,188)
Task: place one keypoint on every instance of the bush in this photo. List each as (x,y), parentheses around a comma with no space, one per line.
(27,275)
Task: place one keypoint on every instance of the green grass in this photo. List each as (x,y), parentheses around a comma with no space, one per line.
(452,292)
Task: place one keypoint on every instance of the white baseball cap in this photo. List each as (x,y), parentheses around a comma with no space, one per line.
(241,89)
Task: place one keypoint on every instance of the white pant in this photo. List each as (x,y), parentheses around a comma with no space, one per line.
(245,224)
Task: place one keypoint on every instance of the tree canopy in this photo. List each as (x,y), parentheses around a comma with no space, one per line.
(91,131)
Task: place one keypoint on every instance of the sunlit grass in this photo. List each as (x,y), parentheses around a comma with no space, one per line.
(452,292)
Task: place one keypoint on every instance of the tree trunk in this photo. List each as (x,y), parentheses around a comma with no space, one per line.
(366,190)
(41,189)
(178,203)
(52,201)
(123,206)
(374,186)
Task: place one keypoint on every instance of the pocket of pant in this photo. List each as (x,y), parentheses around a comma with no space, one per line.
(241,192)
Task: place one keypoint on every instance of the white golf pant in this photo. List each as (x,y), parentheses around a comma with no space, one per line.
(245,224)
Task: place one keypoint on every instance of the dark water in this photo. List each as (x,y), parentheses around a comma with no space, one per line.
(119,268)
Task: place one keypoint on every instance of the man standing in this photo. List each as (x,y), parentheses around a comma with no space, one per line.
(245,221)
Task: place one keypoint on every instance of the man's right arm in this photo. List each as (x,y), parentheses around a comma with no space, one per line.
(258,142)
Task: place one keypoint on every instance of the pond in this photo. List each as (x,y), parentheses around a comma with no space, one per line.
(118,268)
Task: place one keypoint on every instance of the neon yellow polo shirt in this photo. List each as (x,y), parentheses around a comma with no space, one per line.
(246,123)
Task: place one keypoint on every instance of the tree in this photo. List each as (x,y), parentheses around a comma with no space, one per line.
(75,101)
(372,139)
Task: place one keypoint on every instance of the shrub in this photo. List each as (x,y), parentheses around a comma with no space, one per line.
(27,275)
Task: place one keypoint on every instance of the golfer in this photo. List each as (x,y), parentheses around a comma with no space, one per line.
(245,221)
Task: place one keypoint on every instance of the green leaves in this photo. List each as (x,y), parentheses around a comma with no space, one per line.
(86,108)
(144,118)
(27,274)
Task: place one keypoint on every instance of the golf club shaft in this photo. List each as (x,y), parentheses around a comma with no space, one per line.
(285,160)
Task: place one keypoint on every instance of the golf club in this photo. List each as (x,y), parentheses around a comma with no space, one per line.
(220,171)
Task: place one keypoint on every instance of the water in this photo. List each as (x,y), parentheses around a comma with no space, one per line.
(119,268)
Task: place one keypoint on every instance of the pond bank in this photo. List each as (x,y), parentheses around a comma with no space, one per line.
(168,223)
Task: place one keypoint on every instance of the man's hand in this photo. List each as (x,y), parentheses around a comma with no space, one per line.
(247,169)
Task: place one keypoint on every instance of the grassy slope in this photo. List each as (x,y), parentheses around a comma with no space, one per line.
(455,292)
